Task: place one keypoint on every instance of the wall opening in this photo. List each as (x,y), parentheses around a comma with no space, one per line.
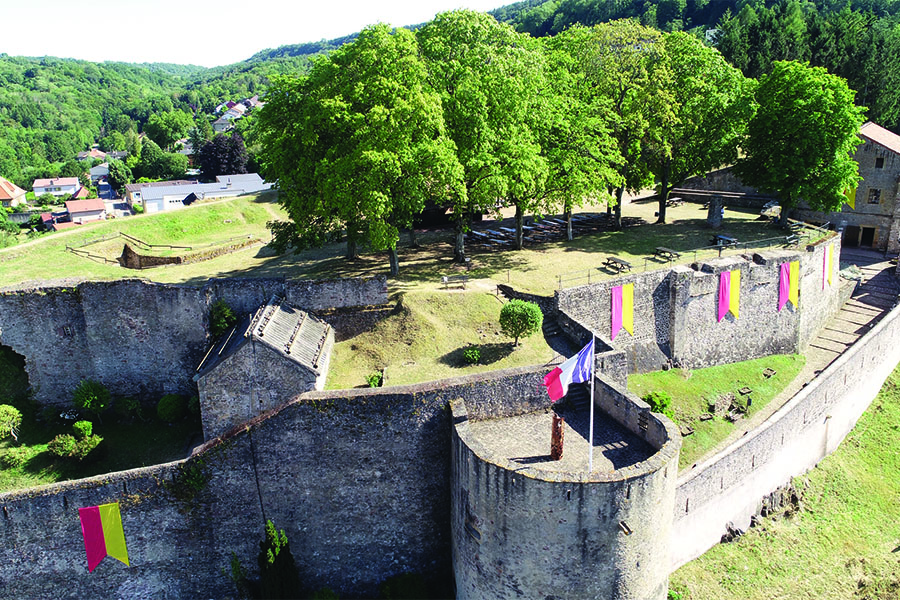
(13,377)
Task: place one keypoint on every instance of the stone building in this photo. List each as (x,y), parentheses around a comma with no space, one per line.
(873,220)
(261,363)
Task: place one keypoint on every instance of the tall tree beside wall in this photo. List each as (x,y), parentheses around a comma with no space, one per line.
(711,103)
(801,140)
(359,144)
(223,155)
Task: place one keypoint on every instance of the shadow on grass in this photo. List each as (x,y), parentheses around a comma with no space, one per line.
(490,353)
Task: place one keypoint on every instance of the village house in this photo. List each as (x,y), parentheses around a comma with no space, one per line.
(85,211)
(91,154)
(11,195)
(99,172)
(134,192)
(58,186)
(162,196)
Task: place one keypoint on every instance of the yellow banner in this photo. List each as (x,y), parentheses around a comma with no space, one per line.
(734,296)
(113,533)
(628,308)
(794,285)
(851,197)
(830,262)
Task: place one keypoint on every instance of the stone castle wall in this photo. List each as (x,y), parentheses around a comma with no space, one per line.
(141,338)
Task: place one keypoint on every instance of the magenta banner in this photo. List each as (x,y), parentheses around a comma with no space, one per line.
(784,285)
(724,293)
(92,530)
(616,311)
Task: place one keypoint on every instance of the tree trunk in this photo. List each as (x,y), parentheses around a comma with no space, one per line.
(394,260)
(663,195)
(617,218)
(783,217)
(459,249)
(520,238)
(413,238)
(352,246)
(568,218)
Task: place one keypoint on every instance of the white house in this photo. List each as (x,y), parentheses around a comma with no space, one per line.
(99,172)
(10,194)
(85,211)
(59,186)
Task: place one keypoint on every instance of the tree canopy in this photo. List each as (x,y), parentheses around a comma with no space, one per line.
(800,142)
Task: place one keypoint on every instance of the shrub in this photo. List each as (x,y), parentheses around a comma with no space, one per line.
(221,318)
(278,573)
(171,408)
(520,319)
(83,429)
(138,209)
(91,396)
(660,402)
(193,406)
(406,586)
(374,379)
(472,355)
(127,407)
(16,457)
(85,448)
(325,594)
(10,419)
(62,445)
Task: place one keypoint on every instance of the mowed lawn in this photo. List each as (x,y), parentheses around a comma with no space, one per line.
(537,268)
(844,541)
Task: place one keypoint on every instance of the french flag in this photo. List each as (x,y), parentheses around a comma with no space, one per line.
(575,370)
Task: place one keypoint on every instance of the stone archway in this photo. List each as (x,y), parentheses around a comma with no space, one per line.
(14,384)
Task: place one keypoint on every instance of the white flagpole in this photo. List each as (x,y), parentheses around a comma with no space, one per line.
(591,435)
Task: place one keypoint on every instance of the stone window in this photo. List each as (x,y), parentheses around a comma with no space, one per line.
(879,162)
(874,196)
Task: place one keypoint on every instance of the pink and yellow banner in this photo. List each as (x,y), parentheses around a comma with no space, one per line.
(103,534)
(622,309)
(789,284)
(827,265)
(729,293)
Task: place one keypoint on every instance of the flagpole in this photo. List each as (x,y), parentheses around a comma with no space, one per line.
(591,434)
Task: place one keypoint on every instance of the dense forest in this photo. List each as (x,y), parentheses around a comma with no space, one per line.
(52,108)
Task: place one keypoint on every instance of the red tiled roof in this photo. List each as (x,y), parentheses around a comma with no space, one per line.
(66,225)
(9,190)
(880,135)
(55,181)
(81,194)
(77,206)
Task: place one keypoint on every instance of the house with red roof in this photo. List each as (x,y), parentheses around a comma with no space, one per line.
(10,194)
(85,211)
(58,186)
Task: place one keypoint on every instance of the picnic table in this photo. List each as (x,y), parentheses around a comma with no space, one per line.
(676,201)
(449,280)
(667,253)
(617,264)
(723,240)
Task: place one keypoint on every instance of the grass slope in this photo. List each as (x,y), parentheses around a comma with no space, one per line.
(691,390)
(425,337)
(844,544)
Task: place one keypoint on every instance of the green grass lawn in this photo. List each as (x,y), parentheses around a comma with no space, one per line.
(691,391)
(844,543)
(425,337)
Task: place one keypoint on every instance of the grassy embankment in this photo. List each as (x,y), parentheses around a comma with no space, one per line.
(692,390)
(844,541)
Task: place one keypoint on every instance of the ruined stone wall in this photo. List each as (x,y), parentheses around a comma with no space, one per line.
(520,532)
(731,485)
(141,338)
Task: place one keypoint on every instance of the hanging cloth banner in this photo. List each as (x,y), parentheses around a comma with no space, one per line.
(734,298)
(628,308)
(851,197)
(101,527)
(829,265)
(616,312)
(724,293)
(783,284)
(794,290)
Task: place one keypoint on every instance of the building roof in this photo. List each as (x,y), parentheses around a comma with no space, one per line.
(9,190)
(55,181)
(294,334)
(92,153)
(880,135)
(79,206)
(135,187)
(63,225)
(81,194)
(225,185)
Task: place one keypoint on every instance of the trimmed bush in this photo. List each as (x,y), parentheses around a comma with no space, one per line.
(10,419)
(91,396)
(16,457)
(520,319)
(62,445)
(374,379)
(221,317)
(171,408)
(83,429)
(472,355)
(660,402)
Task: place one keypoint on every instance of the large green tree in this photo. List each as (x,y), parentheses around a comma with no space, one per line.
(801,141)
(167,128)
(488,77)
(710,104)
(359,144)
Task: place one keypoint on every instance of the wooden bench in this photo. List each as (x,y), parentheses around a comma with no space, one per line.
(667,253)
(674,201)
(617,264)
(449,280)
